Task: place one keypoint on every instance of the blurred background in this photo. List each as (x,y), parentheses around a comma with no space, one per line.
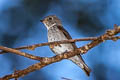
(20,25)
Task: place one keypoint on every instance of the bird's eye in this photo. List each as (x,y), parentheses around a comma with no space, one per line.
(50,18)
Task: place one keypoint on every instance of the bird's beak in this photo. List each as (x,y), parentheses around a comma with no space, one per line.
(41,20)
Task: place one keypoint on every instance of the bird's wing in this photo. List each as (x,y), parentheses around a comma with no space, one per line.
(86,68)
(67,35)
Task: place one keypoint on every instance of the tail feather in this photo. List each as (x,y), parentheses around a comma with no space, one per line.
(86,69)
(79,61)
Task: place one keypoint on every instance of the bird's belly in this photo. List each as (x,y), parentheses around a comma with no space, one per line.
(62,48)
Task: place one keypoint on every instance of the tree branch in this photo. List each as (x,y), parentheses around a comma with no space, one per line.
(32,47)
(44,61)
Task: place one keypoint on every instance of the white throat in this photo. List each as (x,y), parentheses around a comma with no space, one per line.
(48,27)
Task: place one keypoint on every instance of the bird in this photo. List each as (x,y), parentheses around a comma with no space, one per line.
(56,32)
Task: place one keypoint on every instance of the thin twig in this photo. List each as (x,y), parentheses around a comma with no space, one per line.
(63,78)
(32,47)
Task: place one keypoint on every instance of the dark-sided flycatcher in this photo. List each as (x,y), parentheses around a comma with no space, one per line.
(56,32)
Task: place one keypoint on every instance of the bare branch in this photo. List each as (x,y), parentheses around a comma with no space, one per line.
(44,61)
(32,47)
(14,51)
(63,78)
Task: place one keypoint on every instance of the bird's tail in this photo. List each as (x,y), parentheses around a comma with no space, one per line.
(79,61)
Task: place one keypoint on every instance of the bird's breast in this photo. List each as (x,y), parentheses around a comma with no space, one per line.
(57,35)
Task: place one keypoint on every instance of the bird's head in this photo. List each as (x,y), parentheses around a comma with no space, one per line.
(50,21)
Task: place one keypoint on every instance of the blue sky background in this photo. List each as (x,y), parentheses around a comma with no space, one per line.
(20,26)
